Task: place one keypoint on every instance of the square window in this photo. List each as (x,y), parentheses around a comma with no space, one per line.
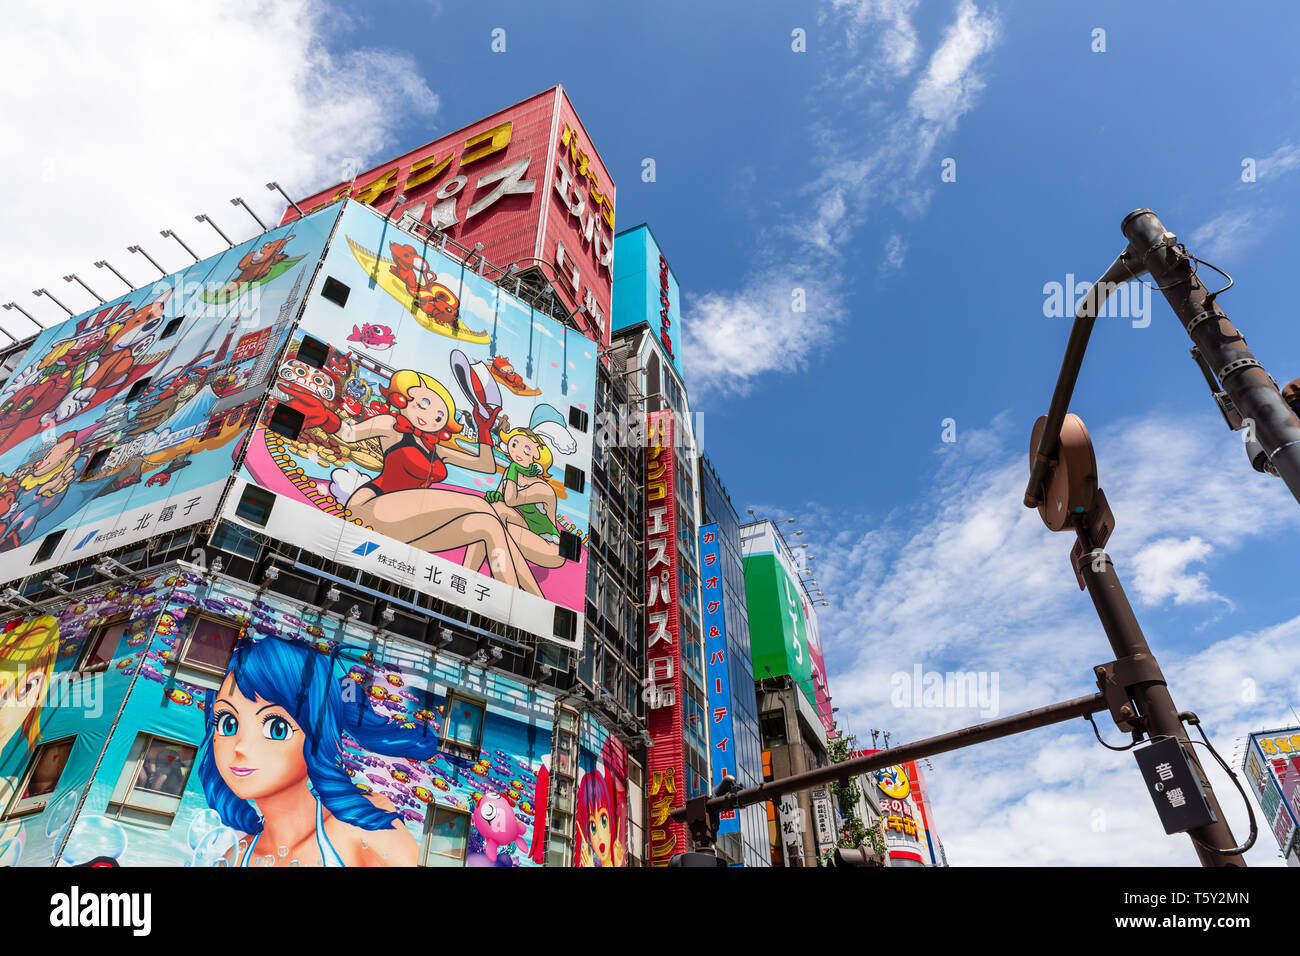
(97,653)
(172,328)
(313,351)
(462,724)
(210,644)
(255,505)
(152,782)
(574,478)
(447,842)
(286,420)
(42,779)
(578,418)
(96,461)
(336,291)
(570,546)
(565,626)
(137,389)
(46,550)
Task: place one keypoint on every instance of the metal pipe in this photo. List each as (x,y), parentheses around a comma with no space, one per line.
(1124,267)
(1252,391)
(954,740)
(1153,699)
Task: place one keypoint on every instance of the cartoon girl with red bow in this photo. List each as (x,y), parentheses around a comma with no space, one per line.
(402,502)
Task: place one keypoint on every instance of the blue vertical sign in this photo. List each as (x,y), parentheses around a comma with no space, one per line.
(717,673)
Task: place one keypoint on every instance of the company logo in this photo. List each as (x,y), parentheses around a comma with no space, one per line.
(86,540)
(893,782)
(365,548)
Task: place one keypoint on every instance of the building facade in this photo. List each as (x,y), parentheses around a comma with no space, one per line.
(345,475)
(749,845)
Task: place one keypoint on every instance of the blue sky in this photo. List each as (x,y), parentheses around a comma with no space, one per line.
(779,170)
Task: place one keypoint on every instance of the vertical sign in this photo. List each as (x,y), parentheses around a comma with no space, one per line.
(824,818)
(716,673)
(663,644)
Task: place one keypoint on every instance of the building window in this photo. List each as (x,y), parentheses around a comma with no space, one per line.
(462,724)
(772,725)
(209,644)
(152,780)
(42,777)
(447,842)
(97,653)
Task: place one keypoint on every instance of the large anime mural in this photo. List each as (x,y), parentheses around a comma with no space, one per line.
(441,433)
(120,423)
(311,745)
(600,820)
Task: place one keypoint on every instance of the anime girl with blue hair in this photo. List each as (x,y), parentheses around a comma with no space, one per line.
(273,769)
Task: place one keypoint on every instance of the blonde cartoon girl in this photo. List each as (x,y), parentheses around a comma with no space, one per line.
(28,652)
(401,501)
(525,499)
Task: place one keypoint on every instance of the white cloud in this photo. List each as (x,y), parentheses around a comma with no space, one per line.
(127,118)
(1228,234)
(879,162)
(968,579)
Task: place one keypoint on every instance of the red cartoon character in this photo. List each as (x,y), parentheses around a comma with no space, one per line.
(431,297)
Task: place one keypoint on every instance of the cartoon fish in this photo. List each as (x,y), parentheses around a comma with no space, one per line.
(357,674)
(496,820)
(441,784)
(401,776)
(364,787)
(377,337)
(181,696)
(395,680)
(378,693)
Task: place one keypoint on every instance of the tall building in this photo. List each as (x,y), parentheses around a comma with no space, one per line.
(358,540)
(793,735)
(645,318)
(748,842)
(1272,766)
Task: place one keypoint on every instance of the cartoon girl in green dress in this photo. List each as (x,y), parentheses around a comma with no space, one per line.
(525,499)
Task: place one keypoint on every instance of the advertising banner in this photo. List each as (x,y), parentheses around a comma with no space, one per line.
(717,669)
(439,433)
(601,811)
(663,691)
(645,290)
(824,819)
(901,818)
(409,771)
(122,422)
(526,182)
(778,612)
(1272,765)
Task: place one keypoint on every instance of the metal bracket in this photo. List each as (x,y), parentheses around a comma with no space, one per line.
(702,824)
(1116,681)
(1221,398)
(1200,317)
(1237,366)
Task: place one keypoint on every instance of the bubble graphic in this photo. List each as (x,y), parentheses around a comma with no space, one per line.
(59,815)
(203,823)
(12,840)
(96,836)
(214,845)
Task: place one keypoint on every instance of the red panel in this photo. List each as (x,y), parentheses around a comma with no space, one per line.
(514,226)
(667,782)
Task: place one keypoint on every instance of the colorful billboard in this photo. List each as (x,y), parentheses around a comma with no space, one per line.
(645,290)
(223,746)
(122,422)
(600,817)
(526,182)
(778,609)
(1272,765)
(439,434)
(717,670)
(821,689)
(906,833)
(663,690)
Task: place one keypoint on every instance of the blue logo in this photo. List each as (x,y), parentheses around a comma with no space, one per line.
(365,548)
(86,540)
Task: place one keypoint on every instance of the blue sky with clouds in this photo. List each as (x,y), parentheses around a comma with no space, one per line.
(821,171)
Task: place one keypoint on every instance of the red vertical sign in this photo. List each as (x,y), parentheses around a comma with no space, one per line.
(666,790)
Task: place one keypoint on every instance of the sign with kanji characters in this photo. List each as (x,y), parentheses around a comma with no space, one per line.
(663,689)
(722,748)
(1174,786)
(824,818)
(1272,765)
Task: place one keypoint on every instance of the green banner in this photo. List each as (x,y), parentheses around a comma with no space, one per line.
(778,632)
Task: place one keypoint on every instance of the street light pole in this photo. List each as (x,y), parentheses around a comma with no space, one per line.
(1253,399)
